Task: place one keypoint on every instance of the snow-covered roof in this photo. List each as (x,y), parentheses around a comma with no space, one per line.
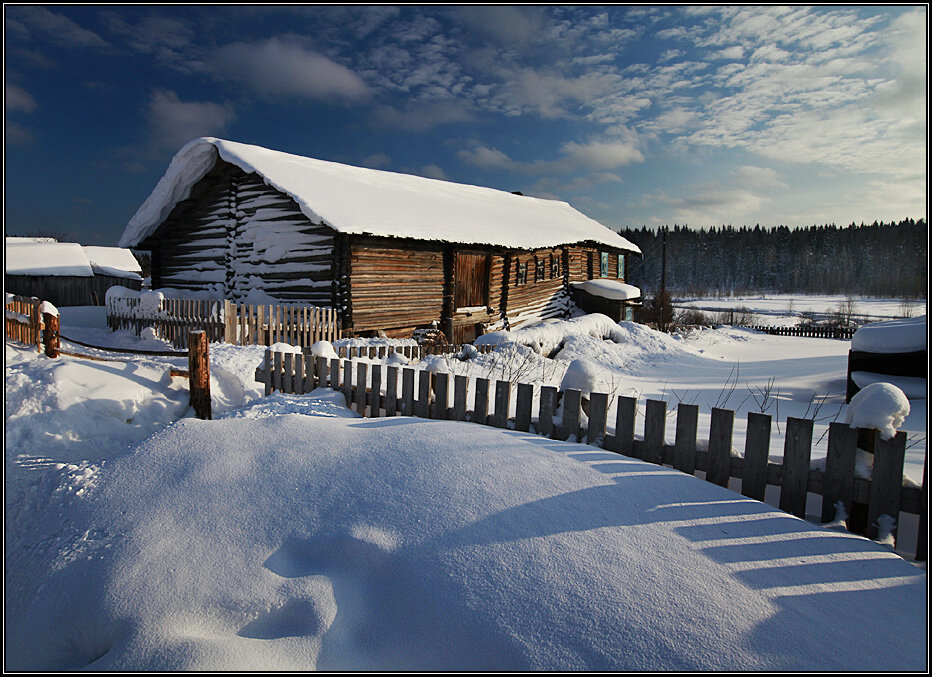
(359,200)
(57,259)
(45,256)
(892,336)
(113,261)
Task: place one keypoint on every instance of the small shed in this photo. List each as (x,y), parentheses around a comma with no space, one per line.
(390,252)
(893,351)
(67,273)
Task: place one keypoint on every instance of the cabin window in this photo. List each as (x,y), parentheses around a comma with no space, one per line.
(603,264)
(539,269)
(520,273)
(554,267)
(621,266)
(629,312)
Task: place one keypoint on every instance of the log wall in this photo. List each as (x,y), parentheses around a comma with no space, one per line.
(235,234)
(395,287)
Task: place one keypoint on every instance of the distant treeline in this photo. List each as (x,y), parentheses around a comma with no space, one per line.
(879,259)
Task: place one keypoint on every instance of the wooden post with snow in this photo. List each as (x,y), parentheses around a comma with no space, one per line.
(199,371)
(50,334)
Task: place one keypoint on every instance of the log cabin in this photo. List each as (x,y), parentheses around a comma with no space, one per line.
(390,252)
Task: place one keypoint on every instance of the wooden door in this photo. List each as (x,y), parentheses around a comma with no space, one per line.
(471,280)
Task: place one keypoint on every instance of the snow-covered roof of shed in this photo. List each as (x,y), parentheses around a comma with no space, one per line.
(113,261)
(362,201)
(46,256)
(58,259)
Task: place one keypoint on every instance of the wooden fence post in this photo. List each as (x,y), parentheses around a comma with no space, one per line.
(50,334)
(199,374)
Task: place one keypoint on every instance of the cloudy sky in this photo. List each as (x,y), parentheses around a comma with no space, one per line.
(634,115)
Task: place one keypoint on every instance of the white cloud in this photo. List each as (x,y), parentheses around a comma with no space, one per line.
(432,171)
(759,177)
(377,160)
(276,67)
(18,99)
(174,122)
(420,117)
(34,20)
(592,156)
(16,134)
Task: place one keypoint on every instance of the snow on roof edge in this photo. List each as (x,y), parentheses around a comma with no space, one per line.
(197,157)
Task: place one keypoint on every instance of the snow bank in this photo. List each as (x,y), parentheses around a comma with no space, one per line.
(879,405)
(581,375)
(370,201)
(276,541)
(893,336)
(548,336)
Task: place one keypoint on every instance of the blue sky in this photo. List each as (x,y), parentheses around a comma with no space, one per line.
(635,115)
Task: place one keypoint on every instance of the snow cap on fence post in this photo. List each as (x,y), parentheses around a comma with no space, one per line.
(881,406)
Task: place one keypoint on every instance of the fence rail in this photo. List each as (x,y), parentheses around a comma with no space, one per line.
(23,321)
(808,331)
(224,321)
(427,395)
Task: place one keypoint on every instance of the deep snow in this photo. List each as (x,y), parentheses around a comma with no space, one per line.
(290,534)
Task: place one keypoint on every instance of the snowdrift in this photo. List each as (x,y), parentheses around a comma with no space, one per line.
(270,540)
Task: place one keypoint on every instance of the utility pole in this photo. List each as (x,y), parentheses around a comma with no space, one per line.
(663,280)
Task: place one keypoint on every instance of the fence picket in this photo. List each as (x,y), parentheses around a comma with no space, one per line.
(441,394)
(288,373)
(655,419)
(886,483)
(348,382)
(525,399)
(572,399)
(684,446)
(502,404)
(796,452)
(756,453)
(481,404)
(548,403)
(460,387)
(624,425)
(407,392)
(720,430)
(598,412)
(361,369)
(375,394)
(838,481)
(391,390)
(422,406)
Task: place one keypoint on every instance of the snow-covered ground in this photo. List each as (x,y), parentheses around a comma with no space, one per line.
(787,310)
(288,533)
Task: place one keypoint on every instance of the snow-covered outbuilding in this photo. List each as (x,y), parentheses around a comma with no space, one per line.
(390,252)
(67,273)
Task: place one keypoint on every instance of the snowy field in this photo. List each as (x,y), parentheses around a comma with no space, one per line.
(290,534)
(787,310)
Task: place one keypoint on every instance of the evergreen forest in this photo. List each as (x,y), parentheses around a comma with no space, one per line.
(877,259)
